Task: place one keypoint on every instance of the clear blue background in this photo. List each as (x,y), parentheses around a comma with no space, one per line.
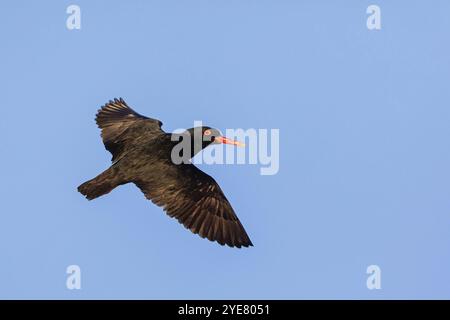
(364,120)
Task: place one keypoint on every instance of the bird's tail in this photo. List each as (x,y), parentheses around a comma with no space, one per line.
(102,184)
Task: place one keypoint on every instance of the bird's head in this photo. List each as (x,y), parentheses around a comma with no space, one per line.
(197,139)
(208,135)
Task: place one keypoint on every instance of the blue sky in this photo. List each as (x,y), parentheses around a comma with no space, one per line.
(364,147)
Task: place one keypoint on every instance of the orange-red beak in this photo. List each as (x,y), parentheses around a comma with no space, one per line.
(229,141)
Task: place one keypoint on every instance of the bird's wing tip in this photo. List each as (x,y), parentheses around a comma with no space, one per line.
(238,245)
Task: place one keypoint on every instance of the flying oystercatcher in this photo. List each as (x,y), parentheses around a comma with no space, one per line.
(142,153)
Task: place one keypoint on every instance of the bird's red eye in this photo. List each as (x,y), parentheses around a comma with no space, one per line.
(207,132)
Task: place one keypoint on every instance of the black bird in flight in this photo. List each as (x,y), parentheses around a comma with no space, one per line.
(142,154)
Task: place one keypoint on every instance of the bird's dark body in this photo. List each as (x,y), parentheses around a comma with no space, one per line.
(142,154)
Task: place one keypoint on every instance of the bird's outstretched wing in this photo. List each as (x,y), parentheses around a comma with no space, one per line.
(196,201)
(114,118)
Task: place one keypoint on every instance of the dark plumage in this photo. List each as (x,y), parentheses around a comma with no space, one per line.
(141,154)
